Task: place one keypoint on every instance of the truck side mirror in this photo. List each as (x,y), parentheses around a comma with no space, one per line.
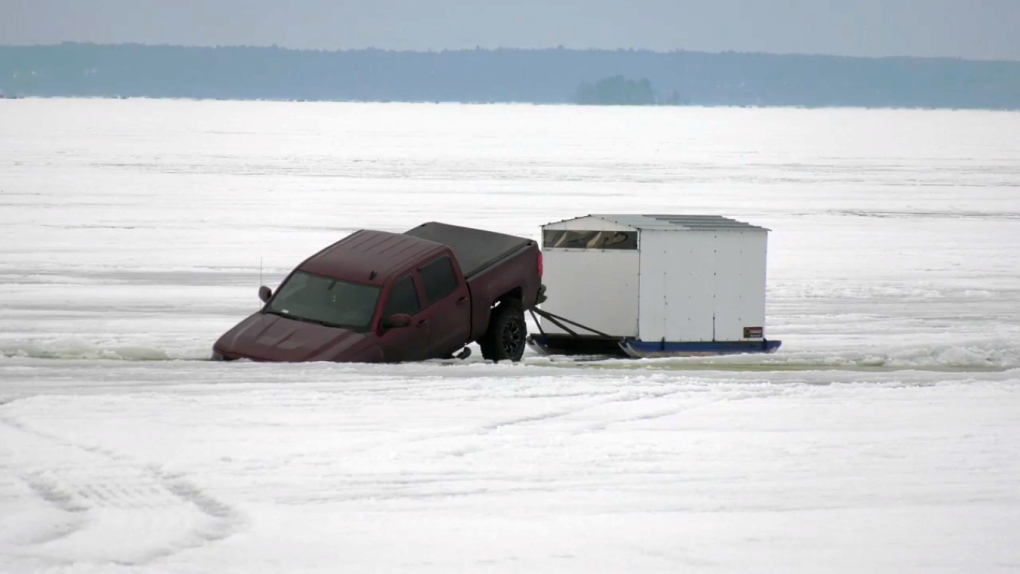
(265,293)
(396,320)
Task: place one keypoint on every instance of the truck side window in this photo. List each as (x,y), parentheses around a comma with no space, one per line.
(403,298)
(439,278)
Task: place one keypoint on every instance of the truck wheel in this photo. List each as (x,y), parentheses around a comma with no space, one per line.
(505,338)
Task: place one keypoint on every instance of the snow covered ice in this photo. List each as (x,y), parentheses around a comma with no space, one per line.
(884,436)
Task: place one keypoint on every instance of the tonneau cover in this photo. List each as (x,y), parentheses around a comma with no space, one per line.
(475,249)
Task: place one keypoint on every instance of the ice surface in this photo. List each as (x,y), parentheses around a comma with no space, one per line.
(883,437)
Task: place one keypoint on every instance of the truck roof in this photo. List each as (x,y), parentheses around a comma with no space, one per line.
(475,249)
(369,257)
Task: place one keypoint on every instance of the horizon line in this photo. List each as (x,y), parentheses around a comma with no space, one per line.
(558,47)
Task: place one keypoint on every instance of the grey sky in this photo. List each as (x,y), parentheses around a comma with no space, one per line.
(979,29)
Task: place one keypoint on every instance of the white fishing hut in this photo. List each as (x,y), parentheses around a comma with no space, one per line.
(653,285)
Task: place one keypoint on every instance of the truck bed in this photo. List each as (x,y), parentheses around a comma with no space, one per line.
(475,249)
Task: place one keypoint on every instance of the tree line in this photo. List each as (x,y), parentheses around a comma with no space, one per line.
(631,77)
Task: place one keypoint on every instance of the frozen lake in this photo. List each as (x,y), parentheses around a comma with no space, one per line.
(884,436)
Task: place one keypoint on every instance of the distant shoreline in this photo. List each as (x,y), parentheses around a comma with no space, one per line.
(529,104)
(524,76)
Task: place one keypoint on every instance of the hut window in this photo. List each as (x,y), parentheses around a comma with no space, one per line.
(589,239)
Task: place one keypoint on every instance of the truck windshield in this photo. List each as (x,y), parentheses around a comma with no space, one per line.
(330,302)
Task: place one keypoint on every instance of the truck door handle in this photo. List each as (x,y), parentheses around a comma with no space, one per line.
(462,299)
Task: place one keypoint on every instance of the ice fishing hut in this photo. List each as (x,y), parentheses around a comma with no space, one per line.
(653,285)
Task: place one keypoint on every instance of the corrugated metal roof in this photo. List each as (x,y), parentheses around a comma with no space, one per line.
(679,222)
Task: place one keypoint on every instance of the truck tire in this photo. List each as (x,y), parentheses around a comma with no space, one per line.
(504,340)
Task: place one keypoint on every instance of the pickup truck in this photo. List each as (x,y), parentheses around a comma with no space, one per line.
(376,296)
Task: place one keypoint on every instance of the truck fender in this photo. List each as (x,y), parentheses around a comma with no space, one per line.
(515,293)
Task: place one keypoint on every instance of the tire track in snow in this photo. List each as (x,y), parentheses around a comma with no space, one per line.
(657,411)
(622,394)
(601,412)
(61,500)
(108,508)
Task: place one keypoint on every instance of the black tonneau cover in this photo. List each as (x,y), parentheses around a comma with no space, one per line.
(475,249)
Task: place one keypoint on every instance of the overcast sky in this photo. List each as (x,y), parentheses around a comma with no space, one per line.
(979,29)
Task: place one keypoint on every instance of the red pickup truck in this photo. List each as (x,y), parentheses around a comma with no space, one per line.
(376,296)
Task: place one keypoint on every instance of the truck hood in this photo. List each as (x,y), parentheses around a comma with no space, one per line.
(266,337)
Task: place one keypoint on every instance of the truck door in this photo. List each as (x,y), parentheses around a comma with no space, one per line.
(409,343)
(447,306)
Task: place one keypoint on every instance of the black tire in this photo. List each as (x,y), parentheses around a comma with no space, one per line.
(504,340)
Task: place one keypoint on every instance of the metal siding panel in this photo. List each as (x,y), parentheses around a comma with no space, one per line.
(690,299)
(598,289)
(740,282)
(677,285)
(652,293)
